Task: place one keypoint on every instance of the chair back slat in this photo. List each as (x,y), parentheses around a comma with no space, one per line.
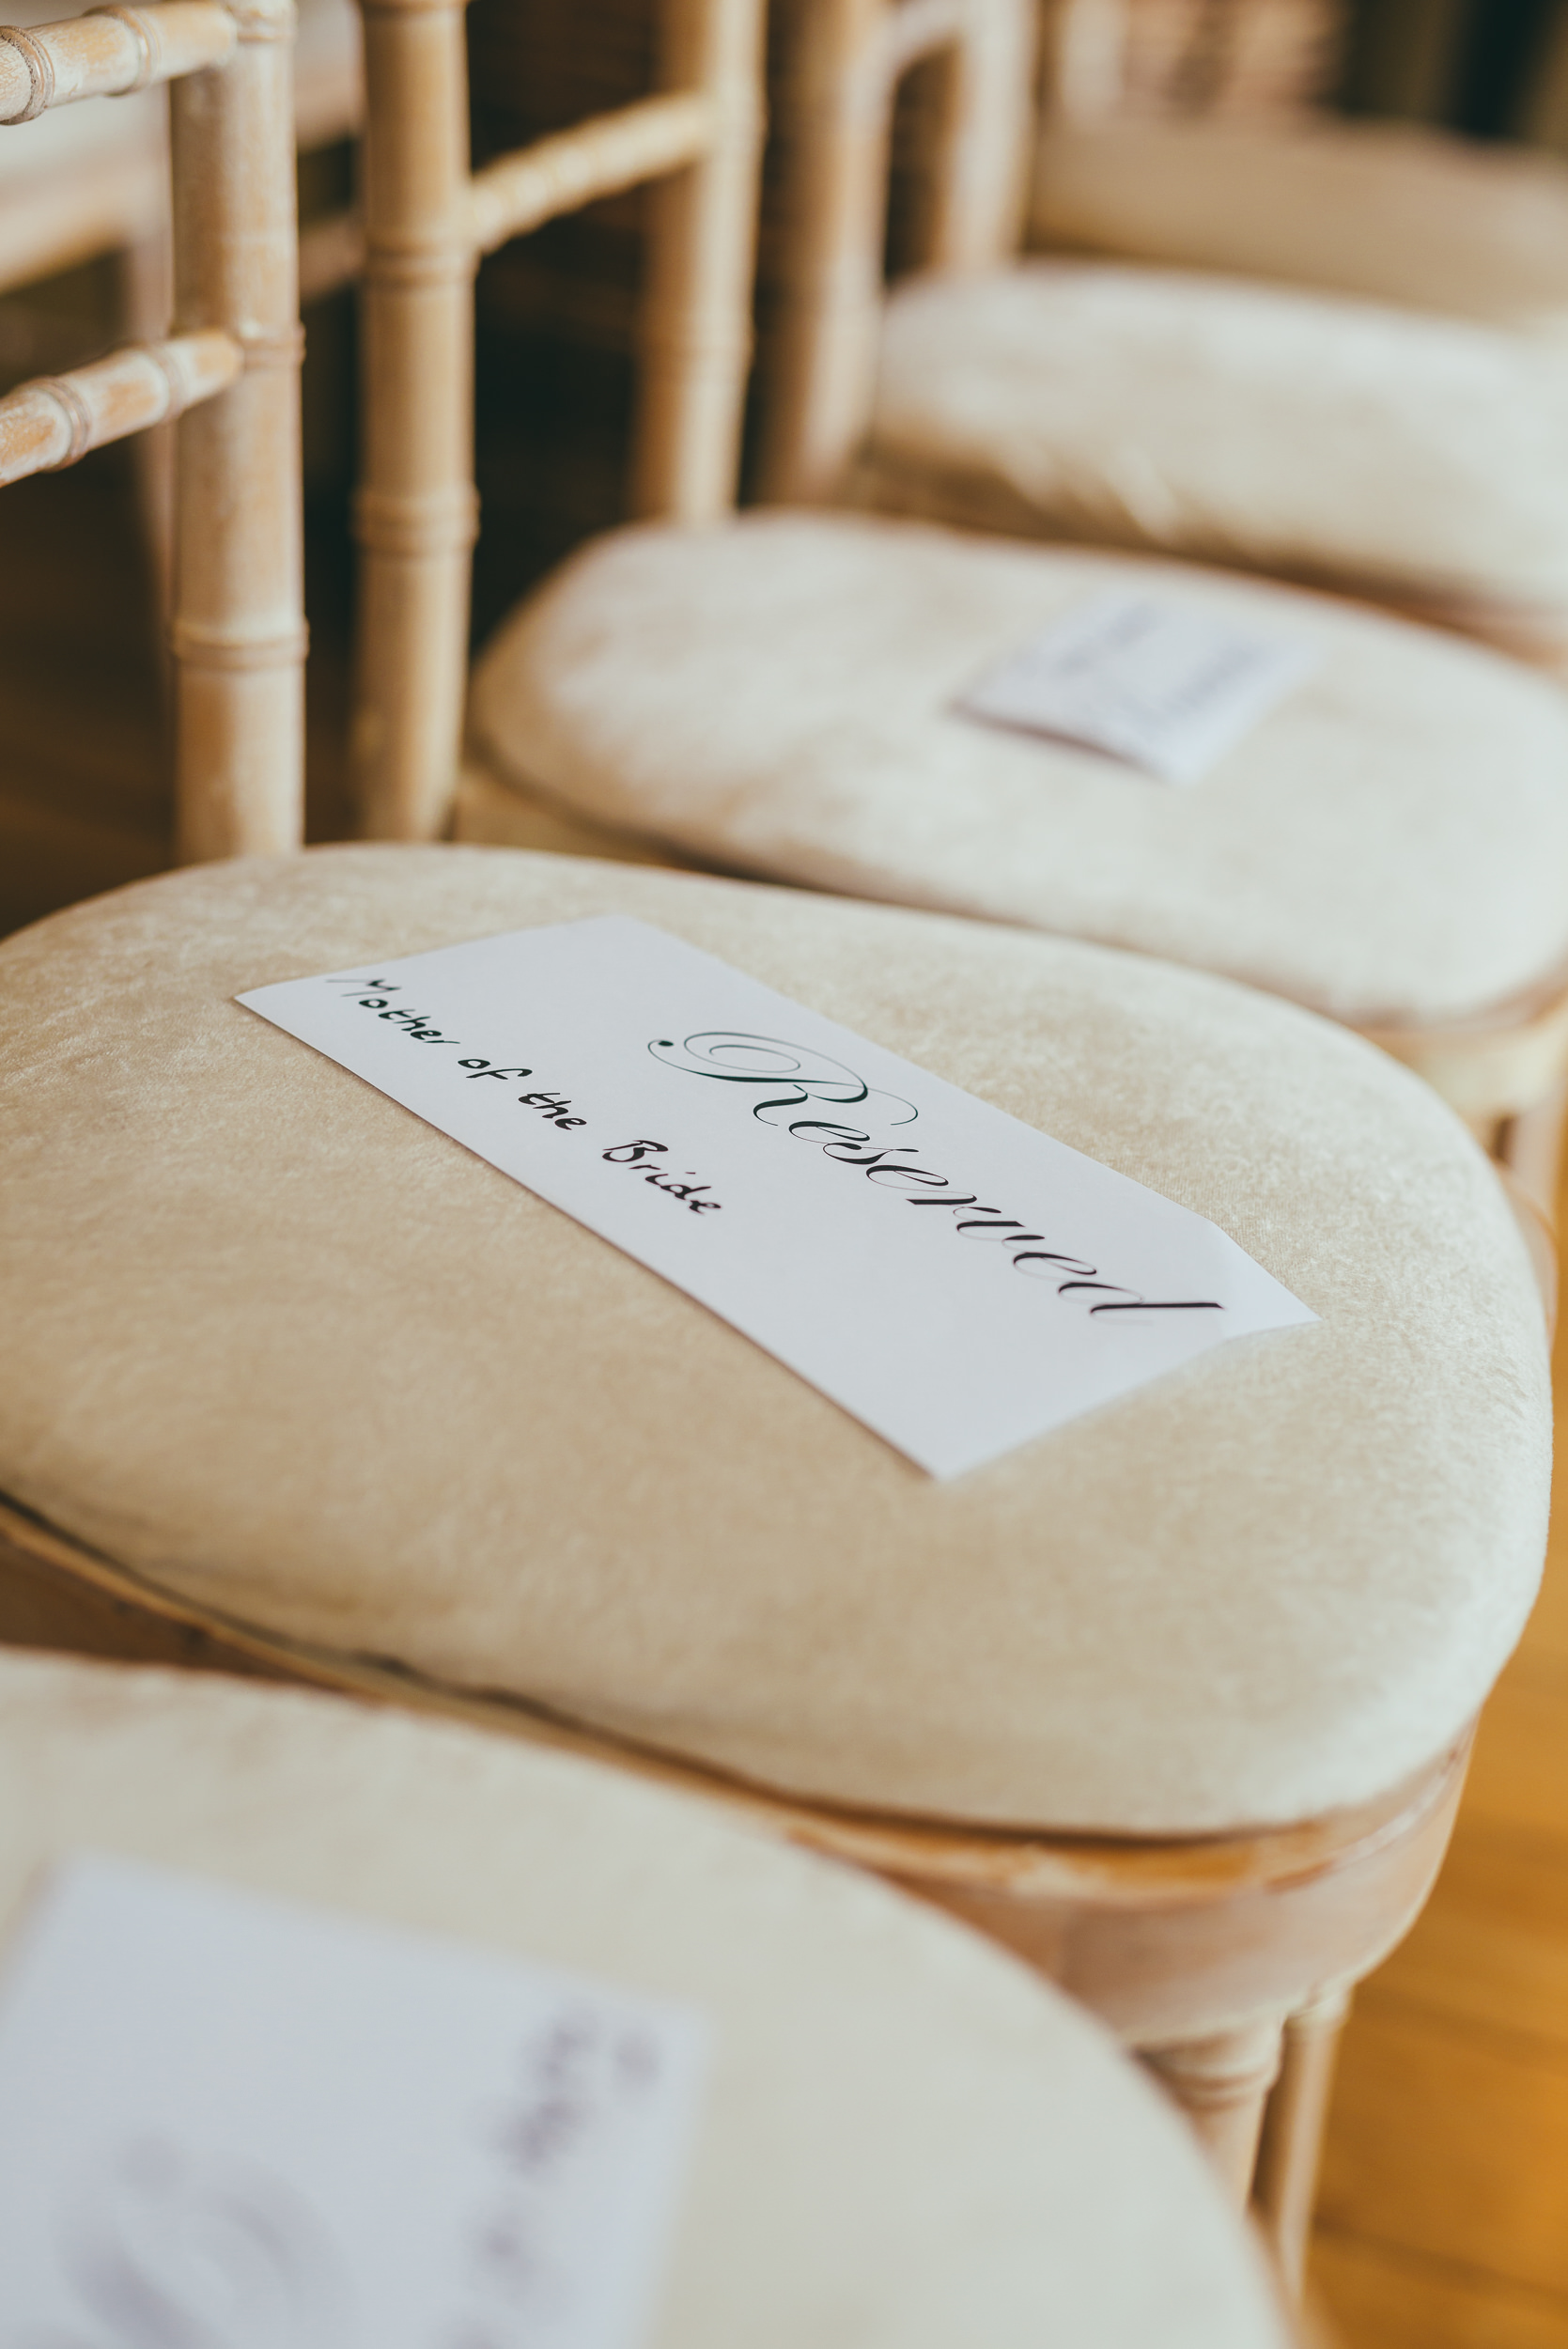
(695,328)
(239,632)
(232,361)
(426,221)
(836,124)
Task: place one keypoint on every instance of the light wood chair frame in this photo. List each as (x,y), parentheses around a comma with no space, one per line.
(833,115)
(1506,1071)
(425,222)
(229,369)
(1224,1960)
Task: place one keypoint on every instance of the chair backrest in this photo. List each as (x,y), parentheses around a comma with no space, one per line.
(232,360)
(834,109)
(426,222)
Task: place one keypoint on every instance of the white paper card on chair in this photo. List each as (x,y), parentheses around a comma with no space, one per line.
(1168,687)
(225,2120)
(958,1281)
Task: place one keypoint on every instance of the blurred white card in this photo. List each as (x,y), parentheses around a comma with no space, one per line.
(956,1279)
(1170,686)
(227,2123)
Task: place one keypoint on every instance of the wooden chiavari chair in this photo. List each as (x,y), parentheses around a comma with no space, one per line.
(1418,781)
(1414,461)
(229,369)
(1397,214)
(1174,1704)
(425,224)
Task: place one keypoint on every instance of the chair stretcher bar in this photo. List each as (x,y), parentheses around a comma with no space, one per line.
(109,54)
(55,420)
(602,157)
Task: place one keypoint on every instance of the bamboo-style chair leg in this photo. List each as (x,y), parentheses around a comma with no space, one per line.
(835,126)
(1222,2083)
(694,328)
(1166,1943)
(1292,2144)
(228,370)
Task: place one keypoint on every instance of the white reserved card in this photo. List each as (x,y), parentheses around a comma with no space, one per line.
(226,2122)
(957,1280)
(1170,686)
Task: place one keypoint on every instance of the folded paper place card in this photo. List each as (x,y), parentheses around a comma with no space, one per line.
(957,1280)
(1170,686)
(227,2121)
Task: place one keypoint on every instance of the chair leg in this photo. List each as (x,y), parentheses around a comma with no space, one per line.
(1222,2084)
(1286,2183)
(1530,1146)
(147,300)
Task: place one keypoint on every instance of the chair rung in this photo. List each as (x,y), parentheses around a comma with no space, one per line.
(56,419)
(108,54)
(600,158)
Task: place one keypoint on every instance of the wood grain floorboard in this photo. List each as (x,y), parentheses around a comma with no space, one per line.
(1443,2215)
(1380,2295)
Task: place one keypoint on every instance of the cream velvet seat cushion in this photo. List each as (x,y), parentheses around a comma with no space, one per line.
(1424,459)
(276,1344)
(1392,212)
(906,2141)
(777,696)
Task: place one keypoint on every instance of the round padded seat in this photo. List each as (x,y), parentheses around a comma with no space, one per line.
(1425,459)
(281,1348)
(777,696)
(1390,210)
(906,2141)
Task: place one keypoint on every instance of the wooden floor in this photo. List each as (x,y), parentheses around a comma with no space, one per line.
(1443,2218)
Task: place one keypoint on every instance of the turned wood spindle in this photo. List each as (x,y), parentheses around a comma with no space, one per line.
(426,221)
(237,631)
(846,60)
(415,514)
(695,340)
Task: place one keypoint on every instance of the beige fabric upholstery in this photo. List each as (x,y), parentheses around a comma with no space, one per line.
(279,1345)
(905,2142)
(1396,213)
(778,697)
(1424,459)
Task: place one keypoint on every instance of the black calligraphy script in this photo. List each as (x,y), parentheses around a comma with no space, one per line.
(779,1077)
